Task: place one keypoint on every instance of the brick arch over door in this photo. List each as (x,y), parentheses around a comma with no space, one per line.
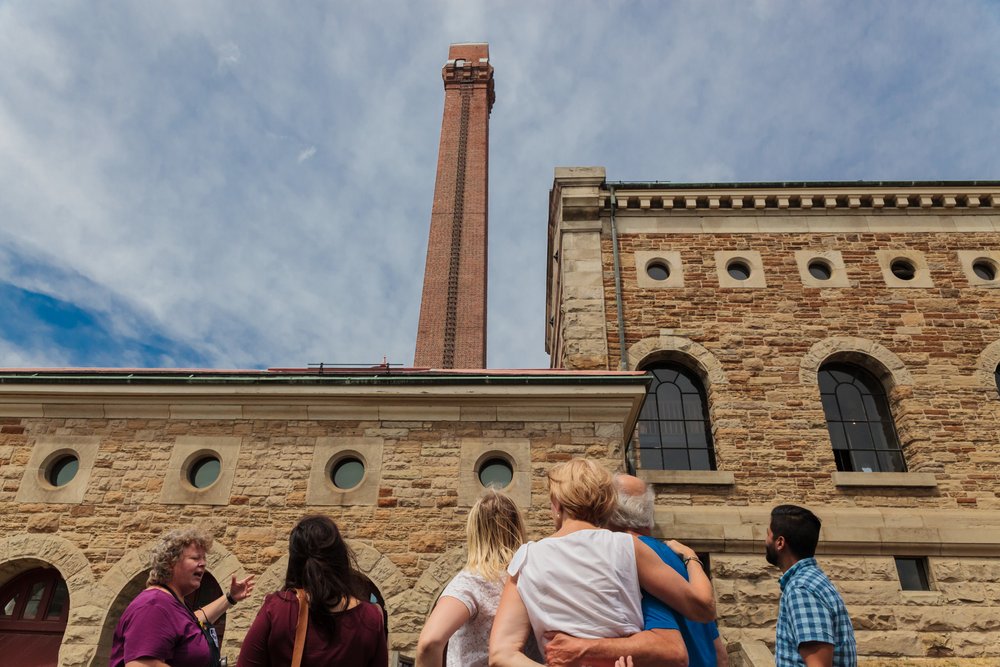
(20,553)
(657,348)
(132,566)
(987,364)
(884,364)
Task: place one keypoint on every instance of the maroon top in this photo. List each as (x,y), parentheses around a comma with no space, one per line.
(357,639)
(156,625)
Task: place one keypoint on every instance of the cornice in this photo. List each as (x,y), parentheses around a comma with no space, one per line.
(935,198)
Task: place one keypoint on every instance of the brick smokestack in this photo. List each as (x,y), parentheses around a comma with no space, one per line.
(452,329)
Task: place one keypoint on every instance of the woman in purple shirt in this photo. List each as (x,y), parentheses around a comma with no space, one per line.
(157,629)
(344,628)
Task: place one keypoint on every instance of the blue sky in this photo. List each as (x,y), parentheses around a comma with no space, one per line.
(248,184)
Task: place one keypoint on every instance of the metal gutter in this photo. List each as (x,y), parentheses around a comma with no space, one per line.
(394,379)
(623,360)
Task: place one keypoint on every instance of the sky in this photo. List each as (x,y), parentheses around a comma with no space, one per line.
(244,184)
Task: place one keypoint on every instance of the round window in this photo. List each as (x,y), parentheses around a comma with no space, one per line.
(658,270)
(902,269)
(496,472)
(738,269)
(985,269)
(348,473)
(63,470)
(820,270)
(204,472)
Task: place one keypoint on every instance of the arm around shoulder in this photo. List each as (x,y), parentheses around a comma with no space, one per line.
(663,648)
(695,599)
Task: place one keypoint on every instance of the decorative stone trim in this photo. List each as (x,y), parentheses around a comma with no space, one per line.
(922,273)
(668,347)
(831,258)
(966,259)
(328,453)
(35,488)
(751,258)
(670,258)
(437,575)
(474,451)
(890,369)
(19,553)
(858,531)
(989,360)
(688,477)
(812,199)
(913,480)
(187,450)
(22,552)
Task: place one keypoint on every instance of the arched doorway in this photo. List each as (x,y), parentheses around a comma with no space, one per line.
(34,607)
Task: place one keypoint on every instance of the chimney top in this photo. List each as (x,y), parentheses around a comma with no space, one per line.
(473,53)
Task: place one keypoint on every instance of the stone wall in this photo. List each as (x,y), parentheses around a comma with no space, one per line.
(767,417)
(961,617)
(409,539)
(757,344)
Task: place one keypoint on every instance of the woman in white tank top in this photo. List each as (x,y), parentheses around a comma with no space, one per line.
(463,615)
(584,580)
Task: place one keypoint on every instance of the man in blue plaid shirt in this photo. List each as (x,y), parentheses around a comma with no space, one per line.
(814,628)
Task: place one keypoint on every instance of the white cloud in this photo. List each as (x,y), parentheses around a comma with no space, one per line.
(228,56)
(306,154)
(146,146)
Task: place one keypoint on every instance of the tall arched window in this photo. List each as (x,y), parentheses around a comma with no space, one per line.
(996,376)
(674,431)
(857,415)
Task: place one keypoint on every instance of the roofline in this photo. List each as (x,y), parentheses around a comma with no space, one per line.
(310,376)
(651,185)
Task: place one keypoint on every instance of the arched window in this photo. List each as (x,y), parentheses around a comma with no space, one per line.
(674,432)
(34,607)
(857,415)
(996,376)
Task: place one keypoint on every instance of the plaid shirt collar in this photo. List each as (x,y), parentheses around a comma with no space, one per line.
(793,570)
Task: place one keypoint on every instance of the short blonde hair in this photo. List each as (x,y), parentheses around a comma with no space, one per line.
(168,551)
(585,490)
(494,531)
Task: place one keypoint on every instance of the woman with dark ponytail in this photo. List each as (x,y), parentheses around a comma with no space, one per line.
(343,627)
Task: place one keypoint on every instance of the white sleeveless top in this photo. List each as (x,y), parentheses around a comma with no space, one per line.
(584,584)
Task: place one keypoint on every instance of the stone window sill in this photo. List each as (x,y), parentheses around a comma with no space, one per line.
(688,477)
(912,480)
(922,596)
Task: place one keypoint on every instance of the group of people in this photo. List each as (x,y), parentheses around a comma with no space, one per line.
(598,591)
(325,614)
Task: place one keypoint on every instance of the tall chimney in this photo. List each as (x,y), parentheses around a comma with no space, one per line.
(452,329)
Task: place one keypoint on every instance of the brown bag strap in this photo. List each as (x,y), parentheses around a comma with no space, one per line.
(300,628)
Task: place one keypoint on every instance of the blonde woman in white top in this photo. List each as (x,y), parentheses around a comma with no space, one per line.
(463,616)
(584,580)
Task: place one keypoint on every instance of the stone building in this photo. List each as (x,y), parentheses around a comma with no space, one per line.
(834,345)
(95,464)
(829,344)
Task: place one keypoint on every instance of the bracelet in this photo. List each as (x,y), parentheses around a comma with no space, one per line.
(693,558)
(230,599)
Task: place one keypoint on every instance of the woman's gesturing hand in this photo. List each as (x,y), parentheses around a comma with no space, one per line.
(241,590)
